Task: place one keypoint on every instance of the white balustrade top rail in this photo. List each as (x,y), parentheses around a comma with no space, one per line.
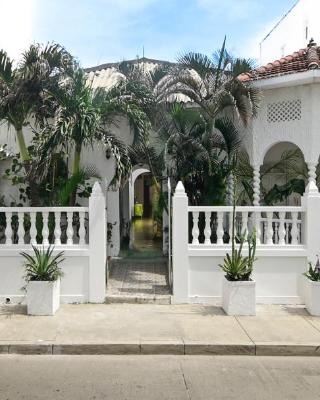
(42,209)
(280,225)
(44,225)
(246,209)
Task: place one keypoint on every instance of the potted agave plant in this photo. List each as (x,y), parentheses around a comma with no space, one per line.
(312,288)
(239,290)
(43,275)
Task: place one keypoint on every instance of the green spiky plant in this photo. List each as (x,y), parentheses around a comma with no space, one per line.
(43,265)
(313,273)
(236,266)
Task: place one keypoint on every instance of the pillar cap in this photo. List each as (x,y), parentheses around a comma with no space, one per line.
(97,190)
(180,191)
(312,189)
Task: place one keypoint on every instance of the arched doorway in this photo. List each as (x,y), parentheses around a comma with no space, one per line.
(146,233)
(141,214)
(284,175)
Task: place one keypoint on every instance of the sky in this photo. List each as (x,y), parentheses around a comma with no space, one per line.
(99,31)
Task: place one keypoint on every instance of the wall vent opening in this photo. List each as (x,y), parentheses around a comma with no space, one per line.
(283,111)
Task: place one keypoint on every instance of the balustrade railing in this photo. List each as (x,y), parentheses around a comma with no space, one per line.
(281,226)
(44,225)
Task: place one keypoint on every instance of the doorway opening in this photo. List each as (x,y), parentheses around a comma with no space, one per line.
(146,223)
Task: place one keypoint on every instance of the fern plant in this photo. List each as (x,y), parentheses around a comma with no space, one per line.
(43,265)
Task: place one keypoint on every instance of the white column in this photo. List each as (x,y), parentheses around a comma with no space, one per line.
(311,221)
(312,177)
(97,245)
(195,229)
(256,185)
(180,256)
(220,231)
(230,188)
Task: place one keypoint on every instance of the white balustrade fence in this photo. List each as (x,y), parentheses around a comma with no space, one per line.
(286,237)
(280,226)
(80,232)
(44,225)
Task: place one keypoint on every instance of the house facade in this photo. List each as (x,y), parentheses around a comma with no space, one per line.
(288,119)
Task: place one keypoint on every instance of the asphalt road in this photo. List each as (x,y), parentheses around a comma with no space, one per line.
(158,377)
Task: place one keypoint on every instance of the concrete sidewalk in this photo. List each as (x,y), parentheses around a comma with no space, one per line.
(159,329)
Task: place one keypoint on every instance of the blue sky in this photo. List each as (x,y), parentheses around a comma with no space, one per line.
(98,31)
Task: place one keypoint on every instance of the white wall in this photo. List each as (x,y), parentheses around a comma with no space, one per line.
(279,266)
(279,280)
(74,285)
(293,32)
(263,134)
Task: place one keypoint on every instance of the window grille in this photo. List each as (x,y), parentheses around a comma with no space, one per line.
(284,111)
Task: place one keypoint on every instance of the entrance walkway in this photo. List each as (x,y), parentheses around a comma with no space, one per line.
(143,280)
(140,275)
(144,232)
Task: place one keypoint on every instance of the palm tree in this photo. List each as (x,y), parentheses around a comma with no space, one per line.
(200,153)
(212,84)
(85,116)
(22,87)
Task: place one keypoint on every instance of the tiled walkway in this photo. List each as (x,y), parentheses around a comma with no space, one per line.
(138,281)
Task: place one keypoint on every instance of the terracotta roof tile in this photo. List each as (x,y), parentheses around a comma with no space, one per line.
(299,61)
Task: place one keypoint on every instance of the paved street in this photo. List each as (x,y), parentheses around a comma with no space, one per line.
(158,377)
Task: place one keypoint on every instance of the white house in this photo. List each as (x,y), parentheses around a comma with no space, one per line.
(287,236)
(288,116)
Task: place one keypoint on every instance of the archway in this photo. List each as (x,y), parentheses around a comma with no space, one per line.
(140,214)
(283,175)
(146,226)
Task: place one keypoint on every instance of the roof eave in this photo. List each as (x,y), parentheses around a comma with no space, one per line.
(295,79)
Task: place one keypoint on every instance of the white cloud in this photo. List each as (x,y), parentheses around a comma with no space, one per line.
(233,10)
(16,25)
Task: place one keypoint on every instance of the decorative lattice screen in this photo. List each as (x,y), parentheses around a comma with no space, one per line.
(284,111)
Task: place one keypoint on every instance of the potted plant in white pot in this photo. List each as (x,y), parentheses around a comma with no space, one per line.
(312,288)
(43,275)
(239,290)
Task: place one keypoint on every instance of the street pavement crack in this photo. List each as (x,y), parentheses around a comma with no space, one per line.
(185,381)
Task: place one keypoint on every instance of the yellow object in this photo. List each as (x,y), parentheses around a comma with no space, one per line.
(138,210)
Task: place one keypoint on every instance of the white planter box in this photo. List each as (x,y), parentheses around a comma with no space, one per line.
(239,297)
(312,297)
(43,297)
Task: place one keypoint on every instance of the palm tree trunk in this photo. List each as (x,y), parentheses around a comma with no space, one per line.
(75,170)
(26,159)
(24,153)
(76,159)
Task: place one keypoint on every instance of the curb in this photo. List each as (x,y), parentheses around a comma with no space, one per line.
(165,348)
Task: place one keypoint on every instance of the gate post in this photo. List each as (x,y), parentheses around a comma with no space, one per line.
(97,245)
(180,256)
(311,202)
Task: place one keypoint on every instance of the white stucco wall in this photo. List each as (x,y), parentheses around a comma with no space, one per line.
(262,134)
(279,280)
